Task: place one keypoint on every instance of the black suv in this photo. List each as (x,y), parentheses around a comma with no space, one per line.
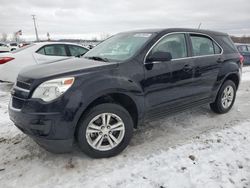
(132,77)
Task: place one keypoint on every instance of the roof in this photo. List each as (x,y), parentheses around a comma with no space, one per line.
(167,30)
(46,43)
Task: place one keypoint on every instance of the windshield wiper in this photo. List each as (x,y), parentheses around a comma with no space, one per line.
(97,58)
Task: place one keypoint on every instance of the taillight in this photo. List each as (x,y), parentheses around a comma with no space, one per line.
(5,59)
(241,59)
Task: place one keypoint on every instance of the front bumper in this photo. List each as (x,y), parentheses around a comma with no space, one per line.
(55,146)
(47,129)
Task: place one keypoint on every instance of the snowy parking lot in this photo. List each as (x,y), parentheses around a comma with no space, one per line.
(196,148)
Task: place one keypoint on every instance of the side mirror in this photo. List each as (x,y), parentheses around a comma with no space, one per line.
(159,56)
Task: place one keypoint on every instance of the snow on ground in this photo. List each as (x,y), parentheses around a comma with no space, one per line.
(192,149)
(246,77)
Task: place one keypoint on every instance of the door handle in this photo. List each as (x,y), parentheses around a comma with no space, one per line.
(187,68)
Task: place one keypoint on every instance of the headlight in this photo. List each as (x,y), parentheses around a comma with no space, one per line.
(53,89)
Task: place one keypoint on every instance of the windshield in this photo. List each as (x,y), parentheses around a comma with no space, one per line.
(119,47)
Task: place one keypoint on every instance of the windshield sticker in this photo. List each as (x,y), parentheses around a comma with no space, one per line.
(142,35)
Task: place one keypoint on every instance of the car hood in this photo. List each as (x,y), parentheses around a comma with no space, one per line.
(63,68)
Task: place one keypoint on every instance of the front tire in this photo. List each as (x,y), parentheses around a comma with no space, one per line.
(225,98)
(105,130)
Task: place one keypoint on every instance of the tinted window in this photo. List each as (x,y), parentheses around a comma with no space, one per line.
(53,50)
(3,45)
(203,46)
(174,44)
(77,50)
(13,44)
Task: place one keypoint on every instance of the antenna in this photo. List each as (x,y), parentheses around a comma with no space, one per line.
(34,19)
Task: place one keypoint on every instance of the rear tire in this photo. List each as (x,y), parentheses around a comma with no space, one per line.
(225,98)
(105,130)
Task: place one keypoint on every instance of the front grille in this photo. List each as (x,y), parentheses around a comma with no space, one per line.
(17,102)
(20,94)
(23,85)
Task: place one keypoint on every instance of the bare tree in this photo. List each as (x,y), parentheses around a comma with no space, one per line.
(241,39)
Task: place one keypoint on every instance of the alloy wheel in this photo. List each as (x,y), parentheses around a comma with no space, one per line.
(227,97)
(105,131)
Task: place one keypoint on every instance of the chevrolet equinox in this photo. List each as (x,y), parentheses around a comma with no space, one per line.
(130,78)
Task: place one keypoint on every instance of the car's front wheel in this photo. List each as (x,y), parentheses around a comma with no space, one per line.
(225,98)
(105,130)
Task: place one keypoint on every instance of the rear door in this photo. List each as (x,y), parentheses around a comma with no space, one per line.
(206,57)
(50,53)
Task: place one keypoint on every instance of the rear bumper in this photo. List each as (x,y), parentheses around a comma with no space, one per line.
(47,129)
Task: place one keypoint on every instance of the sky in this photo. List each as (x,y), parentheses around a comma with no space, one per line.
(88,19)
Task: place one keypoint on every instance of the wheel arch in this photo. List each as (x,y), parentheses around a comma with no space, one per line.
(235,78)
(123,99)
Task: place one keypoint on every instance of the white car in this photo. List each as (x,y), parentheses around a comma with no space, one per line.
(13,46)
(4,48)
(37,53)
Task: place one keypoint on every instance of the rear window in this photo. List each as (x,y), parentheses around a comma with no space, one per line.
(23,48)
(243,48)
(227,44)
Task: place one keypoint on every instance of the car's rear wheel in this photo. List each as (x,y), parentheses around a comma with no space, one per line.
(105,130)
(225,98)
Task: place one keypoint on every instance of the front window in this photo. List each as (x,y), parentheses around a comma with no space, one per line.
(119,47)
(77,51)
(174,44)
